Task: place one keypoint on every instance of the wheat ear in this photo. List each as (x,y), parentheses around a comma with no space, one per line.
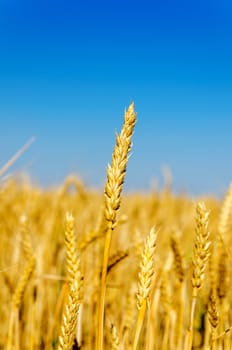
(113,188)
(115,344)
(144,284)
(26,239)
(17,302)
(17,298)
(70,313)
(178,259)
(225,214)
(200,257)
(225,221)
(179,268)
(213,317)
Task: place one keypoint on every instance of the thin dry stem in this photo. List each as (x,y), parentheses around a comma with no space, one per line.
(17,155)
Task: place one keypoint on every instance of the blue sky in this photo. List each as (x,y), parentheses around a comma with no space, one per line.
(68,69)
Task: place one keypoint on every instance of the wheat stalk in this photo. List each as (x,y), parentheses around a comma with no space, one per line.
(115,178)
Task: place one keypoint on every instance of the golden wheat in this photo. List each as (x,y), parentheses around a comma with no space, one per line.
(100,286)
(70,314)
(113,188)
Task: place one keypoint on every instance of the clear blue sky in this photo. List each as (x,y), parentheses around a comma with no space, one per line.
(68,69)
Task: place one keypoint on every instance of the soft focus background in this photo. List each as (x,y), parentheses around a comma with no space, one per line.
(68,70)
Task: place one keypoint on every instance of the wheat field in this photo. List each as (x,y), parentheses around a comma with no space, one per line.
(87,269)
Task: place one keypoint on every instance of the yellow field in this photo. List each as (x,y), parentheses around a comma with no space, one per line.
(82,269)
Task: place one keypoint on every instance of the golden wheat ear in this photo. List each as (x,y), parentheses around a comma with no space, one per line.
(70,314)
(213,317)
(144,284)
(115,343)
(178,259)
(18,296)
(115,178)
(201,252)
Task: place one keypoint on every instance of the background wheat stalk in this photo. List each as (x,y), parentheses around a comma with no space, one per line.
(17,299)
(144,284)
(213,317)
(200,256)
(71,309)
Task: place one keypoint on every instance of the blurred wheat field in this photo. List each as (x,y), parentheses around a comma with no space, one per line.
(82,269)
